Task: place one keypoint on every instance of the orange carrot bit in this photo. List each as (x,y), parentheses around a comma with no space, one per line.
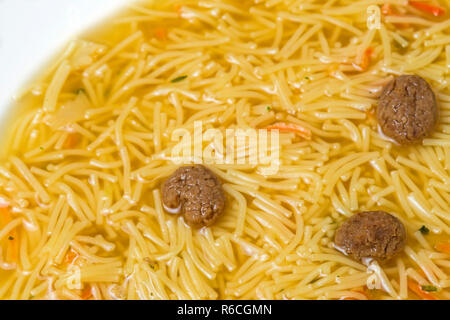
(86,294)
(72,140)
(420,271)
(71,256)
(5,216)
(428,8)
(353,298)
(291,127)
(358,290)
(178,8)
(12,239)
(333,69)
(160,33)
(386,9)
(365,62)
(13,247)
(417,289)
(443,247)
(367,57)
(371,116)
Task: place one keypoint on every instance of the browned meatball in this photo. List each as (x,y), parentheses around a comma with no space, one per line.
(371,234)
(407,110)
(197,193)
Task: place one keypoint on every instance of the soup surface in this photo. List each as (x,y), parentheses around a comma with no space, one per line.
(95,137)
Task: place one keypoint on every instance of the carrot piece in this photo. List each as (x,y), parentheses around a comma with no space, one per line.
(12,240)
(443,247)
(417,289)
(5,216)
(365,61)
(72,140)
(333,69)
(386,9)
(178,8)
(13,247)
(86,294)
(71,256)
(420,271)
(160,33)
(291,127)
(371,116)
(366,58)
(428,8)
(351,298)
(358,290)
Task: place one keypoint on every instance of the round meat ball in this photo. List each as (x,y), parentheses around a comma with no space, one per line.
(371,234)
(197,193)
(407,110)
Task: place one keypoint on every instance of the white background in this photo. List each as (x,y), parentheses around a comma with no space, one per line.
(32,31)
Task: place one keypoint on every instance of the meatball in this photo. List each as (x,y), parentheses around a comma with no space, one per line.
(407,110)
(371,234)
(195,192)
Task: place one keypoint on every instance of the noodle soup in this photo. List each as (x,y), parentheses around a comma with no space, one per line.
(83,212)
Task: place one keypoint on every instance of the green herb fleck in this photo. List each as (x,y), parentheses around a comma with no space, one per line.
(80,90)
(307,78)
(429,288)
(269,108)
(181,78)
(424,230)
(42,148)
(11,238)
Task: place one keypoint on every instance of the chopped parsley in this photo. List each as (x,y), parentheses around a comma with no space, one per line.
(307,78)
(11,238)
(269,108)
(424,230)
(178,79)
(80,90)
(42,148)
(429,288)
